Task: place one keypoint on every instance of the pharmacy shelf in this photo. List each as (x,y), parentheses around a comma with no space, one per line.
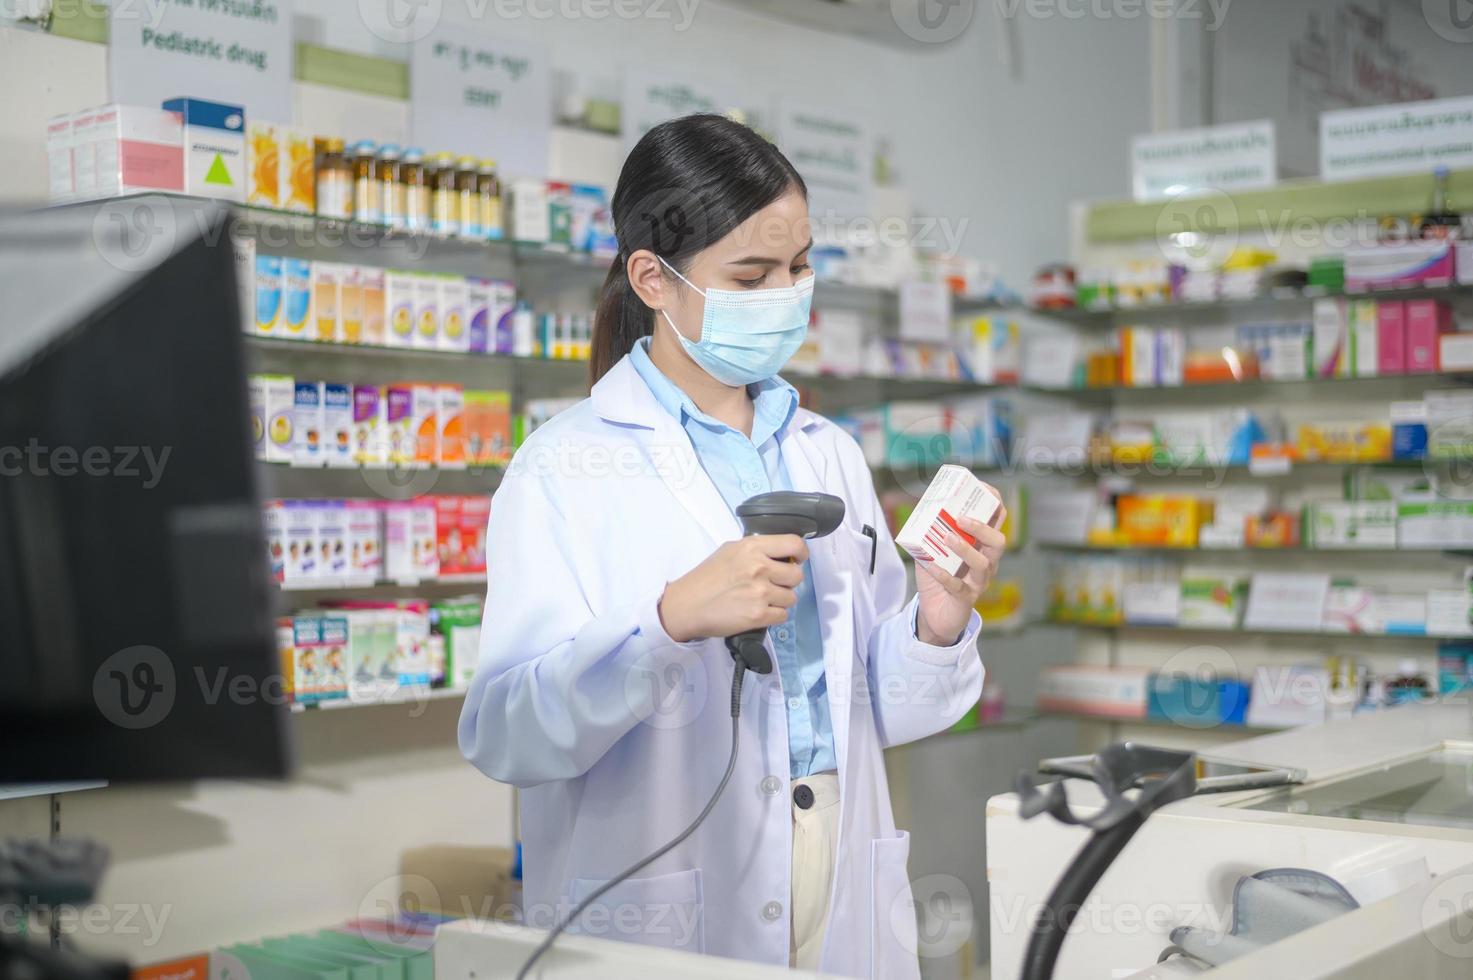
(1271,469)
(17,791)
(1260,633)
(1232,727)
(1274,301)
(413,698)
(1167,550)
(1266,385)
(336,585)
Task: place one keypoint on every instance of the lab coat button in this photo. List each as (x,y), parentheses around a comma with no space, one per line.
(772,911)
(772,785)
(803,796)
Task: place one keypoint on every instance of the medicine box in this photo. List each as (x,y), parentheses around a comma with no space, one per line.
(333,683)
(332,538)
(398,422)
(370,442)
(273,518)
(1426,321)
(1391,329)
(1328,339)
(447,534)
(1364,332)
(296,298)
(399,299)
(350,304)
(450,419)
(124,149)
(300,524)
(454,334)
(273,404)
(1350,524)
(1106,692)
(298,171)
(214,148)
(364,536)
(1427,521)
(412,655)
(263,167)
(269,319)
(337,425)
(1394,265)
(424,414)
(459,622)
(475,513)
(307,424)
(375,313)
(1212,603)
(426,311)
(1455,352)
(326,277)
(61,182)
(410,548)
(954,493)
(488,428)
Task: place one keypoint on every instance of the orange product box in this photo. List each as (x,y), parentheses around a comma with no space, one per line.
(447,534)
(1160,521)
(1276,529)
(475,512)
(487,427)
(424,424)
(450,420)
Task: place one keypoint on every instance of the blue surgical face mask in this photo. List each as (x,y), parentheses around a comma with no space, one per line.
(748,335)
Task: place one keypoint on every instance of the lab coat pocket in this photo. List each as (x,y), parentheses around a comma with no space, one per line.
(663,910)
(858,555)
(893,935)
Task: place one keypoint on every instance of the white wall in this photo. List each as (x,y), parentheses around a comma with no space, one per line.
(1253,75)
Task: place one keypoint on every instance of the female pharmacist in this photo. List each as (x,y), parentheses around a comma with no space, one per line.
(617,567)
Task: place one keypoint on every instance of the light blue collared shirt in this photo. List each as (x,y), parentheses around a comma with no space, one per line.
(741,468)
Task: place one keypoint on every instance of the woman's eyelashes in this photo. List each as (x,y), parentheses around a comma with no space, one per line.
(795,271)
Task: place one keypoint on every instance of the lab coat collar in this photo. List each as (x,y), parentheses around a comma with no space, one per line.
(622,397)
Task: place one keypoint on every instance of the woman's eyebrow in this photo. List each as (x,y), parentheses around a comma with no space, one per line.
(767,260)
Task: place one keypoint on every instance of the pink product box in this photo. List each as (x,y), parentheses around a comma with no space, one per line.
(1397,265)
(1391,337)
(126,149)
(1426,321)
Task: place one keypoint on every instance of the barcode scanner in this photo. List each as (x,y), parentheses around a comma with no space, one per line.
(808,515)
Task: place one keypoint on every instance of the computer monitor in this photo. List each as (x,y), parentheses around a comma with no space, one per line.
(136,608)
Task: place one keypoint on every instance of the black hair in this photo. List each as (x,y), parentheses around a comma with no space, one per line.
(684,186)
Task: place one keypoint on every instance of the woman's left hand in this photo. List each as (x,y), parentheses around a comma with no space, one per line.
(946,601)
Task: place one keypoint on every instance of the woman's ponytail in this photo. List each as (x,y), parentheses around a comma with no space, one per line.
(684,187)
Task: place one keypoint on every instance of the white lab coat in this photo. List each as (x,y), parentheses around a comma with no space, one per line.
(618,735)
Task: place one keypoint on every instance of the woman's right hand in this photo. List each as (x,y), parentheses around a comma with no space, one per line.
(746,584)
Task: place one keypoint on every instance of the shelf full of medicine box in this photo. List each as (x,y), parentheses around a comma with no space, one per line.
(331,584)
(412,696)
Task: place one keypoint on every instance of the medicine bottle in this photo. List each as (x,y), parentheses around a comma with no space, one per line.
(488,194)
(334,182)
(412,178)
(391,192)
(444,206)
(367,201)
(466,180)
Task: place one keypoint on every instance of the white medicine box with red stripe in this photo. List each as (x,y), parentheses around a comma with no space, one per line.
(955,493)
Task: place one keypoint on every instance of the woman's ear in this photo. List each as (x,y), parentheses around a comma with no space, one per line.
(647,278)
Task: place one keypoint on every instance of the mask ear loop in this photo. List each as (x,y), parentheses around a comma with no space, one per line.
(698,291)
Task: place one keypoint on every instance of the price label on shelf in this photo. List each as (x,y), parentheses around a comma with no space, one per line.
(489,96)
(1270,465)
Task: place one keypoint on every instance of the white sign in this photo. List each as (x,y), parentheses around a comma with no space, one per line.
(1195,161)
(236,53)
(651,98)
(835,154)
(483,95)
(925,311)
(1411,137)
